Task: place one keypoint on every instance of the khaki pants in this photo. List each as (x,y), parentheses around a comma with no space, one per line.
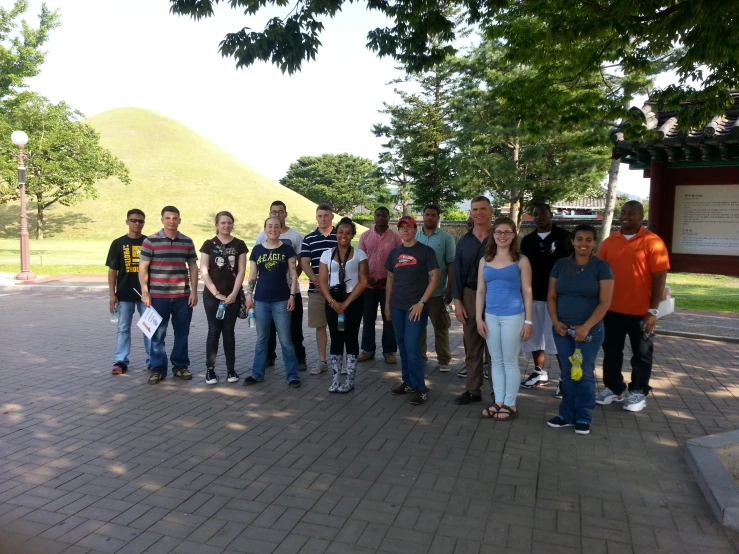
(441,321)
(475,344)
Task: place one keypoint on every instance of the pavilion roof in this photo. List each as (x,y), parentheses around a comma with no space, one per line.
(716,143)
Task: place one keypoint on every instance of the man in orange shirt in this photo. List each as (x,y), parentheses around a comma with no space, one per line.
(639,261)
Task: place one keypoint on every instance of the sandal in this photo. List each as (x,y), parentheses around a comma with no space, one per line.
(505,413)
(489,413)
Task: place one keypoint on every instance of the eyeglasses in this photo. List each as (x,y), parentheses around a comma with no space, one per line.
(503,233)
(281,212)
(139,221)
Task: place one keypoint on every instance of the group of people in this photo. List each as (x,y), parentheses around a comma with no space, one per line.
(545,294)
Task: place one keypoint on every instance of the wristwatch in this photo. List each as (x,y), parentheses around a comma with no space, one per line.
(527,322)
(653,311)
(422,301)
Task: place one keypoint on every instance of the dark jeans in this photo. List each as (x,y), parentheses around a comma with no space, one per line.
(296,332)
(617,327)
(349,337)
(181,315)
(371,298)
(578,397)
(216,327)
(408,334)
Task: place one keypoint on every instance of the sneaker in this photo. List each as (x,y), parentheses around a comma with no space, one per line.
(119,368)
(270,362)
(558,392)
(582,428)
(211,377)
(294,383)
(250,381)
(557,422)
(462,372)
(445,366)
(155,377)
(607,396)
(182,372)
(391,359)
(322,367)
(302,366)
(635,402)
(418,397)
(402,388)
(467,398)
(538,378)
(232,377)
(365,357)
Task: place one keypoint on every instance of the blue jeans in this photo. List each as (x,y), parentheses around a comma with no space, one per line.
(181,315)
(578,397)
(266,313)
(123,344)
(504,344)
(408,336)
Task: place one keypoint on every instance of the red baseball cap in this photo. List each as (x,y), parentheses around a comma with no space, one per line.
(408,220)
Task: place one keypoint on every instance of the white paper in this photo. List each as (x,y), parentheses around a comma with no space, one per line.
(149,321)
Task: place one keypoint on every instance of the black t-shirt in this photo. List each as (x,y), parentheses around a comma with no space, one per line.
(411,268)
(222,272)
(123,257)
(272,269)
(543,253)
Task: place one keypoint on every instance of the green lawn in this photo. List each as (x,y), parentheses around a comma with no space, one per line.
(710,293)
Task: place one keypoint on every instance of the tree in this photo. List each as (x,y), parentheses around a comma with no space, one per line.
(66,158)
(343,180)
(631,34)
(20,54)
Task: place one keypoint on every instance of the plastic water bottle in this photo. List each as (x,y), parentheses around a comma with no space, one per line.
(340,325)
(221,313)
(115,313)
(645,335)
(251,318)
(571,333)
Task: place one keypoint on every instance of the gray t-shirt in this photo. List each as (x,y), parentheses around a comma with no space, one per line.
(411,268)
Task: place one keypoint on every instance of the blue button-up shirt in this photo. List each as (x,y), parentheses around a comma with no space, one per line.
(443,244)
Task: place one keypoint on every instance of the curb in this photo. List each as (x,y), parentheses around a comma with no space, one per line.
(697,336)
(53,288)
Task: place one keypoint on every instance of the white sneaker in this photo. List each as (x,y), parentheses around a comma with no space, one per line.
(636,402)
(322,367)
(445,367)
(607,396)
(538,378)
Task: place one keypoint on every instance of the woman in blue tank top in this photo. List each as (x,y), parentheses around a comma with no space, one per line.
(506,302)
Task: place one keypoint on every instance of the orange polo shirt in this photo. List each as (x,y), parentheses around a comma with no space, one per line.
(633,262)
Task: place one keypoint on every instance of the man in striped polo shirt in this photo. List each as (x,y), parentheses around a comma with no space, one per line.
(168,273)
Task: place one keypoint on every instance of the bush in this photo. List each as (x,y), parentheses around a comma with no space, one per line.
(455,215)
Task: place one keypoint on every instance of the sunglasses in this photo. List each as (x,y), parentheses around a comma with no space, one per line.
(138,221)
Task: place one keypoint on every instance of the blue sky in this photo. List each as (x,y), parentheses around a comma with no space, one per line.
(112,53)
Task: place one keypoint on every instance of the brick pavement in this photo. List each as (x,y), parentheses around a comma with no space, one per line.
(94,463)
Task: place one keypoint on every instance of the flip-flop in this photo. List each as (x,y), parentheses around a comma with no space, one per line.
(505,410)
(489,413)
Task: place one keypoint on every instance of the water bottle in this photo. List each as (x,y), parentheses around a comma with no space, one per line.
(251,318)
(114,315)
(571,333)
(340,325)
(645,335)
(221,313)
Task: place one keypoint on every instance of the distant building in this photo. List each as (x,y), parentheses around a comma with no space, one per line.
(582,208)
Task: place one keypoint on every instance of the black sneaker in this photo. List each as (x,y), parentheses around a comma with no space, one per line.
(250,381)
(182,372)
(232,377)
(467,398)
(418,397)
(402,388)
(119,368)
(557,422)
(294,383)
(211,377)
(538,378)
(155,377)
(582,428)
(302,366)
(270,362)
(462,372)
(558,392)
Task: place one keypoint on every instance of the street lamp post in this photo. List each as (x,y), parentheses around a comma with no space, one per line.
(20,139)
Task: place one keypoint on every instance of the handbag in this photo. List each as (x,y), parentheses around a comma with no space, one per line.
(243,312)
(338,292)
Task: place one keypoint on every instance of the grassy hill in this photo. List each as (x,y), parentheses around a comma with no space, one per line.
(169,164)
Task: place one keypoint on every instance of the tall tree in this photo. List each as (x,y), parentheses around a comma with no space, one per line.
(20,52)
(66,158)
(631,34)
(343,180)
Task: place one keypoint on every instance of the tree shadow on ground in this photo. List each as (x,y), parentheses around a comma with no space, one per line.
(55,225)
